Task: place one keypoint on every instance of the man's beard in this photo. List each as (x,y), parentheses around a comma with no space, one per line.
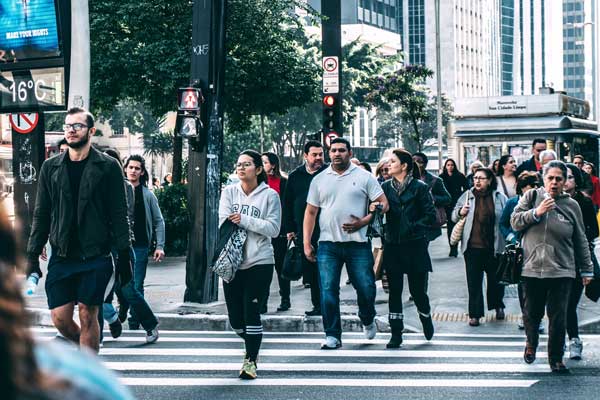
(77,145)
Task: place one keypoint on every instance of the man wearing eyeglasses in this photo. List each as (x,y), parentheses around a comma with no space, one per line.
(81,208)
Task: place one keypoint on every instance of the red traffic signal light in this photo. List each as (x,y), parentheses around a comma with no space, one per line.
(329,101)
(189,99)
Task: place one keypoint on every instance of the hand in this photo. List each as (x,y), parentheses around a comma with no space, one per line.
(586,281)
(309,252)
(355,225)
(33,265)
(374,205)
(159,255)
(44,255)
(545,206)
(235,218)
(291,236)
(464,210)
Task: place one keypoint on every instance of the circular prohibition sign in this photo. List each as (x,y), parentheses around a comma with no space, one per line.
(24,123)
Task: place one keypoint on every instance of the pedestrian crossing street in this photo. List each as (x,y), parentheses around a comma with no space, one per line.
(194,358)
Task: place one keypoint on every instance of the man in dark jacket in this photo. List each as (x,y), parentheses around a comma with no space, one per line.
(294,205)
(533,164)
(81,209)
(587,187)
(441,197)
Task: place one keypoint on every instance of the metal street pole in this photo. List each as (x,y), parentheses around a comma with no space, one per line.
(331,30)
(208,70)
(438,72)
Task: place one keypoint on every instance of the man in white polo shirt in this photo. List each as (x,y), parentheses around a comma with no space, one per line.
(342,193)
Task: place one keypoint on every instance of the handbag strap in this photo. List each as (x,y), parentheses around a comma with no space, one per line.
(504,186)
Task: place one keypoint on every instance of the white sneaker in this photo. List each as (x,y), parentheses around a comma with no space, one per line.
(152,336)
(331,343)
(520,324)
(370,330)
(575,349)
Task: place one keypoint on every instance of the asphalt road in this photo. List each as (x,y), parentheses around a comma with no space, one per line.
(205,365)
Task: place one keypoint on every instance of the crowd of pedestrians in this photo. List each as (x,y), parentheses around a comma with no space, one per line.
(100,219)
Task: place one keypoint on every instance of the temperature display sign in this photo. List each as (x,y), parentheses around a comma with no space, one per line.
(42,89)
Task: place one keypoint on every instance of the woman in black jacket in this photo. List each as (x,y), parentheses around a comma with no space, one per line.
(456,184)
(410,216)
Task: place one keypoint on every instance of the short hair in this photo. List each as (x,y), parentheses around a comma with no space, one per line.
(556,164)
(490,175)
(475,164)
(576,174)
(545,153)
(591,164)
(380,165)
(578,156)
(343,141)
(61,142)
(366,166)
(538,140)
(142,161)
(114,154)
(423,157)
(312,143)
(89,118)
(527,178)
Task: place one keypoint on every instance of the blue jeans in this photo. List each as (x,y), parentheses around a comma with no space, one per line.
(140,266)
(331,256)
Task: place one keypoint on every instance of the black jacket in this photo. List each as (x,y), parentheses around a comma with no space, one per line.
(589,215)
(101,214)
(294,201)
(456,185)
(528,165)
(410,215)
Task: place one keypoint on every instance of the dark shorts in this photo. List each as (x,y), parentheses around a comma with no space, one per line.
(72,281)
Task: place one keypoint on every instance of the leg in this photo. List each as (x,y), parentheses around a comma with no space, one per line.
(234,299)
(396,285)
(330,267)
(139,307)
(558,299)
(535,303)
(280,248)
(359,263)
(474,270)
(417,284)
(572,320)
(90,330)
(257,280)
(495,291)
(62,318)
(139,275)
(312,277)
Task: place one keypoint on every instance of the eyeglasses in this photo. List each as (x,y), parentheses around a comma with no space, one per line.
(480,178)
(244,165)
(76,126)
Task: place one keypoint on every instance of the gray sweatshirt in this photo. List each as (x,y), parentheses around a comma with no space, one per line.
(554,245)
(261,217)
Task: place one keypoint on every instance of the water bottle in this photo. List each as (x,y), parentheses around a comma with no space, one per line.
(31,284)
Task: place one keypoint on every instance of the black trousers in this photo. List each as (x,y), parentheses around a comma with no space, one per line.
(478,262)
(550,296)
(417,286)
(279,248)
(244,295)
(572,320)
(311,276)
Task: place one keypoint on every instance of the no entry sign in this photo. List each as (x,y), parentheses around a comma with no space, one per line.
(24,123)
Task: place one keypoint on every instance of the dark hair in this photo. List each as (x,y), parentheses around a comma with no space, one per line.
(538,140)
(406,158)
(89,118)
(312,143)
(366,166)
(576,175)
(502,162)
(274,161)
(445,170)
(578,156)
(423,157)
(142,161)
(257,160)
(114,154)
(61,142)
(591,165)
(527,178)
(344,141)
(490,175)
(556,164)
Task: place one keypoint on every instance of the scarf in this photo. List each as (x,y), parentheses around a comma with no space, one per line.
(400,187)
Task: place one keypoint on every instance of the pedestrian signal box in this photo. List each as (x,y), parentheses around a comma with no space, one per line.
(189,99)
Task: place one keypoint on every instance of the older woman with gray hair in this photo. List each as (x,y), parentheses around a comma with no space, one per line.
(555,248)
(546,156)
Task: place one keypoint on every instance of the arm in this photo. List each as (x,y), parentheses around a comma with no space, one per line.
(581,247)
(117,206)
(269,226)
(225,207)
(441,197)
(589,219)
(505,227)
(40,228)
(459,204)
(308,226)
(158,222)
(289,225)
(429,214)
(524,214)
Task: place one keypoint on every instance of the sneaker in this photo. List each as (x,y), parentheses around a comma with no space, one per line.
(541,328)
(575,349)
(331,343)
(395,342)
(370,330)
(248,370)
(313,313)
(116,328)
(152,336)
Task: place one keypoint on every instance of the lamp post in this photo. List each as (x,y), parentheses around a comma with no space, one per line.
(438,73)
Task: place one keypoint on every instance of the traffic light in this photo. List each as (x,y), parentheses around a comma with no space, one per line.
(330,113)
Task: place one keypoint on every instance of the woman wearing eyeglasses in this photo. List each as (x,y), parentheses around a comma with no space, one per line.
(255,207)
(481,242)
(555,249)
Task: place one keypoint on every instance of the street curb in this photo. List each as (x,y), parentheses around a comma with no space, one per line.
(214,322)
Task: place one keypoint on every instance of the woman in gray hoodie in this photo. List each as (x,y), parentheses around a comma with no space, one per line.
(255,207)
(555,248)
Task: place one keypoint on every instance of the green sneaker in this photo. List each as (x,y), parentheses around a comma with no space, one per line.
(248,370)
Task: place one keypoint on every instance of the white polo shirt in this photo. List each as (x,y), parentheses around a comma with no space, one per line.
(339,197)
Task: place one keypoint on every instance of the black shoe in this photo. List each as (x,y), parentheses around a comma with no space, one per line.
(529,354)
(307,286)
(263,309)
(284,306)
(453,252)
(500,314)
(313,313)
(559,367)
(122,314)
(116,328)
(427,323)
(395,342)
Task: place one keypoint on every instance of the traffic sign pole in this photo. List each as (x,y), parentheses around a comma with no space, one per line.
(332,63)
(28,155)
